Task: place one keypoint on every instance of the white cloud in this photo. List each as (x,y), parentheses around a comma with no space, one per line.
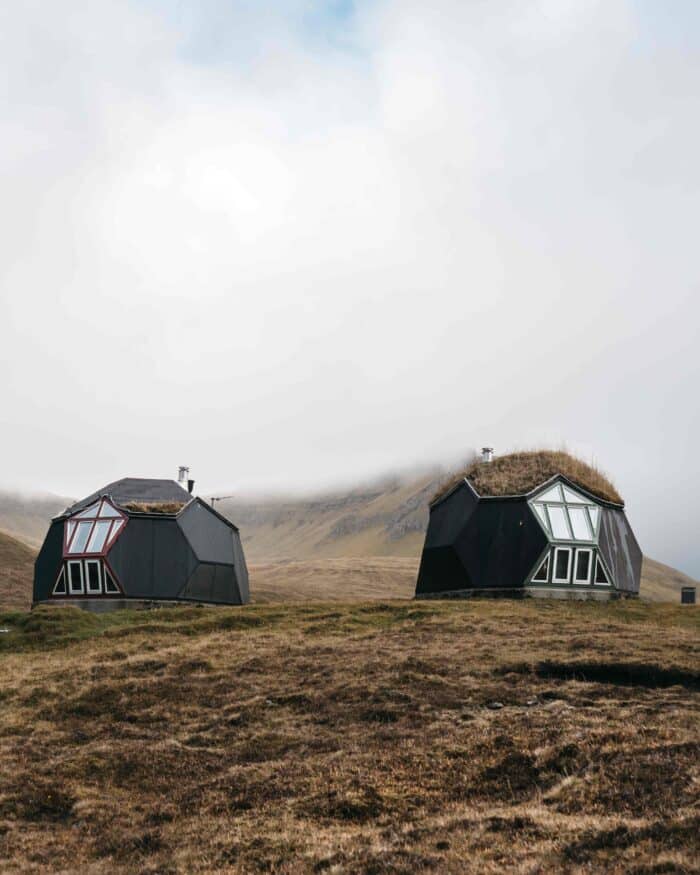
(289,261)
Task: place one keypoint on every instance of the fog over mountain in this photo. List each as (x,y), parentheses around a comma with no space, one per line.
(298,245)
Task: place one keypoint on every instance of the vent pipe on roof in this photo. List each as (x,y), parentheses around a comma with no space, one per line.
(487,454)
(190,486)
(183,473)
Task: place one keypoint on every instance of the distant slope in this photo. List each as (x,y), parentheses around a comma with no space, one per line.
(661,583)
(16,573)
(27,517)
(333,579)
(387,518)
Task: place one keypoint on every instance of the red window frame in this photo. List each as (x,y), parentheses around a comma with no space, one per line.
(117,526)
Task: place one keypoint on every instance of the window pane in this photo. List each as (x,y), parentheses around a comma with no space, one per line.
(595,513)
(98,537)
(110,585)
(600,575)
(542,572)
(60,587)
(561,565)
(89,511)
(80,538)
(93,577)
(553,494)
(579,523)
(108,511)
(583,566)
(574,497)
(539,509)
(70,528)
(560,526)
(117,526)
(75,576)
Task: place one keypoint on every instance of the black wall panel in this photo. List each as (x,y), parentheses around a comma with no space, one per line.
(48,562)
(210,537)
(449,517)
(441,571)
(151,558)
(241,569)
(501,544)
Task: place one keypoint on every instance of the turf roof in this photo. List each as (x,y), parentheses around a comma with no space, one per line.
(166,507)
(520,473)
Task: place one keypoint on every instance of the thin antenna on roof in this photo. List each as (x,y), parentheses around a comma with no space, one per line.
(487,454)
(215,498)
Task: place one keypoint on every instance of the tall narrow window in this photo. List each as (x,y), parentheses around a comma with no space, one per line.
(93,581)
(75,577)
(582,567)
(560,525)
(80,538)
(562,565)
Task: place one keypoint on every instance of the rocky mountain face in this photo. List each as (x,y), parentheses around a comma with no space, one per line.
(385,518)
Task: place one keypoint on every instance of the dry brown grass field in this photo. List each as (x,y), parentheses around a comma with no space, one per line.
(397,737)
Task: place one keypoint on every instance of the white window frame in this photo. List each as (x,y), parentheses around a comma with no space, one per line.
(546,561)
(569,551)
(606,582)
(569,536)
(89,591)
(71,590)
(591,562)
(108,574)
(64,577)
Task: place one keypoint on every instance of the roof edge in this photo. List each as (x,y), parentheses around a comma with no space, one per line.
(524,496)
(215,512)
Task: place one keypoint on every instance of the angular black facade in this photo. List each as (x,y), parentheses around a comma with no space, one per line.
(102,551)
(556,540)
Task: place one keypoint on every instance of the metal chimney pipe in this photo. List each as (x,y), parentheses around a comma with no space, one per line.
(183,473)
(487,454)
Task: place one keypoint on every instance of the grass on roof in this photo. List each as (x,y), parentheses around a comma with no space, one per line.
(518,473)
(155,506)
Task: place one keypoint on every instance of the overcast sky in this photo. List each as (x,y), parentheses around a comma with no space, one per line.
(295,244)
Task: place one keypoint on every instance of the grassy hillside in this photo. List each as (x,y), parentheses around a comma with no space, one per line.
(458,737)
(661,583)
(16,573)
(387,518)
(27,517)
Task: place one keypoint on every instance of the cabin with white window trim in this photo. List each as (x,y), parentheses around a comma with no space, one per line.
(556,539)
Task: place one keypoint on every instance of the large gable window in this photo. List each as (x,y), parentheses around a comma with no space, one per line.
(93,530)
(566,515)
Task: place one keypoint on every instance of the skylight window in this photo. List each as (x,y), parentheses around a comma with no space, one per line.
(566,515)
(93,530)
